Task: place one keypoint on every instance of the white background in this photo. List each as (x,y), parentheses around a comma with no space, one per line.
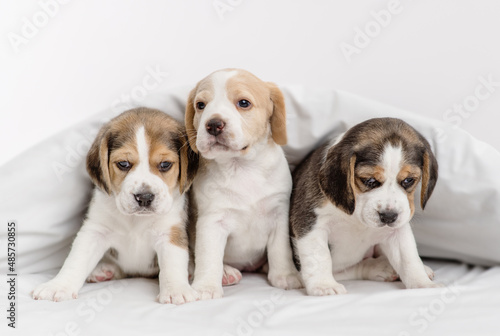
(87,56)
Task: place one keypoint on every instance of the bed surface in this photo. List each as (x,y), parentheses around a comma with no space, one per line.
(468,305)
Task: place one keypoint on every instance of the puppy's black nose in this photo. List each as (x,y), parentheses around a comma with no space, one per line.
(388,217)
(144,199)
(215,126)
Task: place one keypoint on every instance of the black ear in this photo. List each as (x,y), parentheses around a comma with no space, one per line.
(189,162)
(336,177)
(98,160)
(429,173)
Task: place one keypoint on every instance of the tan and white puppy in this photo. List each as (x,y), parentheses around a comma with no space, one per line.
(236,122)
(142,165)
(353,200)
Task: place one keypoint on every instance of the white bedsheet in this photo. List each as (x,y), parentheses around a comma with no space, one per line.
(469,305)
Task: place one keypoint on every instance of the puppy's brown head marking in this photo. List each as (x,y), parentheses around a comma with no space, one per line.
(354,165)
(245,108)
(115,152)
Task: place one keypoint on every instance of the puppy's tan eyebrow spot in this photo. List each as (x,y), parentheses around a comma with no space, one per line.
(204,96)
(376,172)
(246,86)
(408,170)
(239,93)
(178,236)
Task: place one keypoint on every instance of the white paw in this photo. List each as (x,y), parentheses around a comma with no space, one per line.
(104,272)
(231,276)
(208,292)
(285,280)
(379,269)
(429,271)
(54,291)
(177,294)
(327,288)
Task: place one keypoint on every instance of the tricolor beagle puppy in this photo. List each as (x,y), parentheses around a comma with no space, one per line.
(136,223)
(236,122)
(352,201)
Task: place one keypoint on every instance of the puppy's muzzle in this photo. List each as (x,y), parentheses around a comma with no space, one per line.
(388,217)
(215,126)
(144,200)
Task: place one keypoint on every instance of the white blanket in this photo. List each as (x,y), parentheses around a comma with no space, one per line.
(46,190)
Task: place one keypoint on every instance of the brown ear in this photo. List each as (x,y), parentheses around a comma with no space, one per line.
(188,162)
(278,118)
(429,174)
(336,177)
(98,160)
(188,119)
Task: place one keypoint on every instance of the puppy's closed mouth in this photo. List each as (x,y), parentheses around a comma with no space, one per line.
(219,146)
(144,212)
(223,147)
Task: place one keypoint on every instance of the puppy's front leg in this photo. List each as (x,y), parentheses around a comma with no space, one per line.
(211,238)
(88,248)
(316,264)
(401,250)
(282,272)
(173,261)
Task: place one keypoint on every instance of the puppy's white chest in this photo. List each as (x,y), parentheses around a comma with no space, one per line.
(135,253)
(348,239)
(132,238)
(245,198)
(247,187)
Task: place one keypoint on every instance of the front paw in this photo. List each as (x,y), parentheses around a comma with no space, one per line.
(208,292)
(325,288)
(54,291)
(177,294)
(285,280)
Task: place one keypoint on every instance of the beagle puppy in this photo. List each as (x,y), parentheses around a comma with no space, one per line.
(236,122)
(352,203)
(136,223)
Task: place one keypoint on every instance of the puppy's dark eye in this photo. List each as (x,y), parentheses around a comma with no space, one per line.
(200,105)
(407,182)
(164,166)
(244,103)
(124,165)
(371,183)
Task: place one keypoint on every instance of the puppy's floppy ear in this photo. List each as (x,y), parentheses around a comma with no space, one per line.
(278,118)
(98,160)
(189,161)
(188,119)
(429,173)
(336,177)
